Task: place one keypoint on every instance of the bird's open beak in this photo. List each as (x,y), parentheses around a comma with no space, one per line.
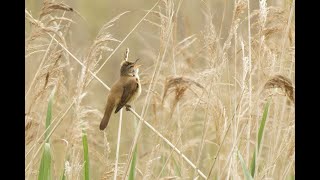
(137,65)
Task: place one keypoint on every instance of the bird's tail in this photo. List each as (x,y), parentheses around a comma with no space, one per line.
(107,114)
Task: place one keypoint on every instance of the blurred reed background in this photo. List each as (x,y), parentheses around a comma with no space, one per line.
(216,84)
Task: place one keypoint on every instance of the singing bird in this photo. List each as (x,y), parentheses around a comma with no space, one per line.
(126,90)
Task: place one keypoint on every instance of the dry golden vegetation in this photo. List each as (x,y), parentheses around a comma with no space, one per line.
(217,97)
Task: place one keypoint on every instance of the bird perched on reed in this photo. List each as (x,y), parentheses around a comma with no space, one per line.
(124,91)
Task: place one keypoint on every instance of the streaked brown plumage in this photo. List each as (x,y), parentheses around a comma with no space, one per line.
(124,91)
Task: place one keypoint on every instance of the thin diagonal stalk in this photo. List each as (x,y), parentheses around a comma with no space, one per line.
(34,52)
(93,74)
(168,142)
(179,138)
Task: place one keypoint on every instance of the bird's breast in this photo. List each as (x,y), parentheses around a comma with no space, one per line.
(137,93)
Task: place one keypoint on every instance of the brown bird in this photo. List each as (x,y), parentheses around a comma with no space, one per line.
(126,90)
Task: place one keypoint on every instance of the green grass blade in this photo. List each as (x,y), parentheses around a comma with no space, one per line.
(45,165)
(260,134)
(253,163)
(263,122)
(86,155)
(244,168)
(133,164)
(49,113)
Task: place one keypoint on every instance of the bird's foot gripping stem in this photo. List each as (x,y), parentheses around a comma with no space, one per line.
(127,107)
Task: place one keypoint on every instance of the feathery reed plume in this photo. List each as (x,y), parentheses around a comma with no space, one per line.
(284,83)
(50,7)
(179,85)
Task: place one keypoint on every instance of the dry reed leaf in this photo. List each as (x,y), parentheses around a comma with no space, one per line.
(282,82)
(153,23)
(157,14)
(185,43)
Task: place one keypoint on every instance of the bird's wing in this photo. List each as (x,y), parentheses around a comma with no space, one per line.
(128,91)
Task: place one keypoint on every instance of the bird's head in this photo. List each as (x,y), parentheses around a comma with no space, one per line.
(129,68)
